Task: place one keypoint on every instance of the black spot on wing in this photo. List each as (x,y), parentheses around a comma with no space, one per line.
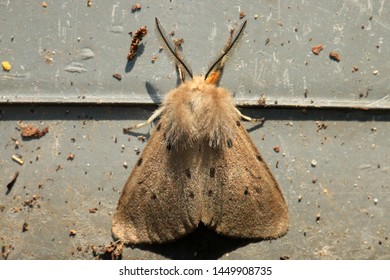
(188,173)
(212,172)
(229,143)
(191,106)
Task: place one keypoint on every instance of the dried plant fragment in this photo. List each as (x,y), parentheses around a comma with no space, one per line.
(70,156)
(32,202)
(321,126)
(334,56)
(135,41)
(317,49)
(262,100)
(113,251)
(25,227)
(31,131)
(117,76)
(5,250)
(136,7)
(18,158)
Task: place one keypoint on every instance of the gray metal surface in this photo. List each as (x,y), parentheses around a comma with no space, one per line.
(348,187)
(333,165)
(68,52)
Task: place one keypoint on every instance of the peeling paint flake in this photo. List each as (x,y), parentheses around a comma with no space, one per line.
(75,67)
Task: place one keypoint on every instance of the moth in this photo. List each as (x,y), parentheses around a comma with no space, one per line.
(199,166)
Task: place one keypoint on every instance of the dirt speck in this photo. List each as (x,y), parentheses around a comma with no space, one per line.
(136,7)
(117,76)
(317,49)
(335,56)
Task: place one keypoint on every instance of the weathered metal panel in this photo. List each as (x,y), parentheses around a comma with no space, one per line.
(68,52)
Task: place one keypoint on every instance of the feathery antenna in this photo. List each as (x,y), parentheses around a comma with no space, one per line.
(173,52)
(215,71)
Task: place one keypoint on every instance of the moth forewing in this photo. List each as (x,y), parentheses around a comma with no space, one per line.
(159,203)
(199,165)
(243,197)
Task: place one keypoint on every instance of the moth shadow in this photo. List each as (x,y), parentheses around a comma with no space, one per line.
(153,93)
(130,63)
(256,126)
(202,244)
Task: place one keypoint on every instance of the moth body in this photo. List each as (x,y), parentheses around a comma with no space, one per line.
(199,166)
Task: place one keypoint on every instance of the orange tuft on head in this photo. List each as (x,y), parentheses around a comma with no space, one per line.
(213,77)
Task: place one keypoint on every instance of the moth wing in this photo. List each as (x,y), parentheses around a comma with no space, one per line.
(160,201)
(242,197)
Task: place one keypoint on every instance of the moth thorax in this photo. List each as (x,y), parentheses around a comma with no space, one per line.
(196,111)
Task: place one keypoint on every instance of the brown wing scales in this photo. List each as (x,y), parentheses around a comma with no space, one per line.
(161,200)
(242,198)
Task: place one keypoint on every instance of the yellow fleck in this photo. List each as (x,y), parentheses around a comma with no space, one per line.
(6,66)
